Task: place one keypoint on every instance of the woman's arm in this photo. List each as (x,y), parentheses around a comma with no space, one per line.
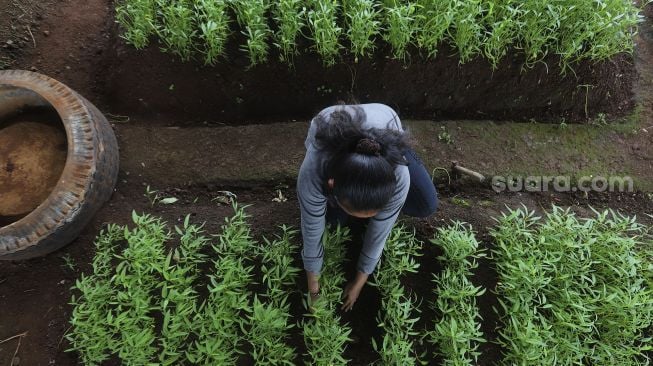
(379,226)
(312,204)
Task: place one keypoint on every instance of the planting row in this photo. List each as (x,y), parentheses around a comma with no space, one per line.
(571,291)
(572,29)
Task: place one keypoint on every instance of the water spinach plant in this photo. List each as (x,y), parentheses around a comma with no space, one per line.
(270,319)
(289,16)
(571,30)
(91,336)
(136,281)
(573,291)
(113,313)
(398,307)
(322,19)
(213,22)
(457,332)
(325,337)
(179,299)
(225,313)
(252,18)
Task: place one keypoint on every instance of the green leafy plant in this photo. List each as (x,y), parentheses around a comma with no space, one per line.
(69,263)
(213,21)
(325,32)
(289,16)
(396,316)
(90,333)
(152,195)
(251,16)
(270,318)
(324,336)
(445,136)
(178,28)
(115,307)
(573,290)
(135,278)
(501,31)
(457,332)
(574,30)
(179,297)
(434,19)
(138,19)
(227,309)
(363,26)
(400,27)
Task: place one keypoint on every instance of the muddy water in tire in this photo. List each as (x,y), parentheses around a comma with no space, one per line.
(32,157)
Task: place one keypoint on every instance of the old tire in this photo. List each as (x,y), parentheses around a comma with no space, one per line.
(89,174)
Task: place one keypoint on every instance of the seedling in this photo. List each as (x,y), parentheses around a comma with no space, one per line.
(573,30)
(460,201)
(225,198)
(177,30)
(400,27)
(69,262)
(251,16)
(138,18)
(363,26)
(152,195)
(444,136)
(213,20)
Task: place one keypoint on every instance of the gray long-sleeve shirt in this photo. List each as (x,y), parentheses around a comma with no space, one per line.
(313,200)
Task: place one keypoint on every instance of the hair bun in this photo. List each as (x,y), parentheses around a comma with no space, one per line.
(368,146)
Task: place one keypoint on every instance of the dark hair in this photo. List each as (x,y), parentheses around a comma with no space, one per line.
(361,161)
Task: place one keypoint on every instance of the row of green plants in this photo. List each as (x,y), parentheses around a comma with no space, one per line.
(457,331)
(271,319)
(113,311)
(573,29)
(325,336)
(226,311)
(134,282)
(573,291)
(570,291)
(397,316)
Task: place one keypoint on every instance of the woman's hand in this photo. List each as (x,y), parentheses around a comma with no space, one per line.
(313,280)
(352,290)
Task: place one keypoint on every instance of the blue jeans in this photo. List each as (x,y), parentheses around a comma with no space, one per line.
(422,199)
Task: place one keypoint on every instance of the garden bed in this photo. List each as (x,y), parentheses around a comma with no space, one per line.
(35,294)
(88,54)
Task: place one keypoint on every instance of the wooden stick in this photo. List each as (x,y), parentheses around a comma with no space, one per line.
(462,170)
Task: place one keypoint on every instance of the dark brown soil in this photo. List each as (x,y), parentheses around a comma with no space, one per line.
(19,25)
(34,294)
(83,49)
(156,84)
(32,157)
